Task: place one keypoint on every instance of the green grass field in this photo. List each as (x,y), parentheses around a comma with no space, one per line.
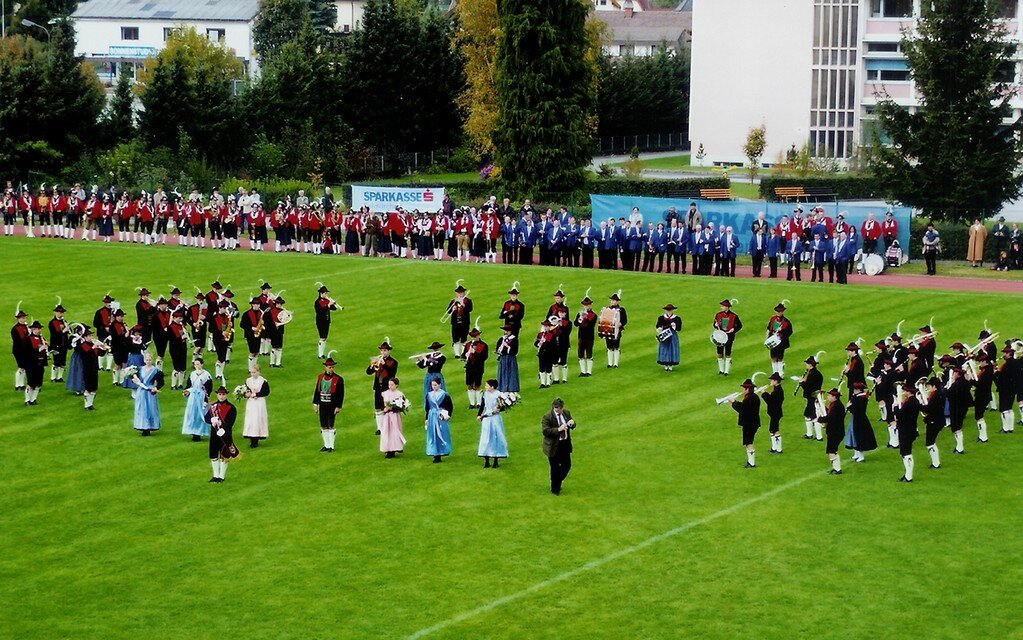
(659,533)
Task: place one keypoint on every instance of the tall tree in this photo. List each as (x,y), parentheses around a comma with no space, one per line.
(644,94)
(22,123)
(476,36)
(545,92)
(188,99)
(279,22)
(958,155)
(323,14)
(119,117)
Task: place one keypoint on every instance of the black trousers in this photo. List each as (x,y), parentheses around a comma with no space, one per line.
(561,464)
(758,263)
(587,256)
(774,266)
(931,259)
(842,272)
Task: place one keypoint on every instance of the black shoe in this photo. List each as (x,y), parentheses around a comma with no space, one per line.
(904,479)
(253,443)
(807,437)
(1005,431)
(891,446)
(933,466)
(90,408)
(819,439)
(324,449)
(219,480)
(213,479)
(749,466)
(144,433)
(486,465)
(389,454)
(377,433)
(958,452)
(436,459)
(835,472)
(556,492)
(196,438)
(496,466)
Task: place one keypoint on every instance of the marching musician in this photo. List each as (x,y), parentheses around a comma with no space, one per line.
(780,326)
(88,350)
(913,368)
(118,346)
(508,361)
(101,321)
(252,327)
(926,347)
(222,416)
(460,312)
(748,408)
(144,311)
(272,322)
(834,426)
(177,342)
(958,400)
(811,383)
(545,352)
(1006,385)
(563,342)
(35,362)
(613,335)
(197,322)
(586,321)
(59,342)
(175,302)
(222,330)
(433,362)
(932,405)
(558,304)
(159,326)
(727,321)
(907,415)
(382,368)
(513,311)
(328,398)
(668,327)
(774,398)
(475,353)
(982,396)
(853,371)
(323,306)
(885,391)
(20,348)
(859,435)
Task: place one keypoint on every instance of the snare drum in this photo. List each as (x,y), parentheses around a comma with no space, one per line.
(772,341)
(609,323)
(719,337)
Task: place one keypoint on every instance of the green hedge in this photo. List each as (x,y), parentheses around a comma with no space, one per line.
(955,240)
(844,187)
(655,188)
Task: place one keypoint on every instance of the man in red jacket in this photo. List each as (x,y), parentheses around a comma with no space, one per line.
(889,229)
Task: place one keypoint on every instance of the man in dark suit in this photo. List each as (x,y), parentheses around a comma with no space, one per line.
(557,425)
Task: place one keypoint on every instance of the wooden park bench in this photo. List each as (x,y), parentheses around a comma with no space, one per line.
(688,194)
(817,194)
(716,194)
(790,194)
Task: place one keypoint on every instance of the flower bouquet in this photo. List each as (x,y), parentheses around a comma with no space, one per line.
(400,404)
(129,372)
(240,391)
(507,400)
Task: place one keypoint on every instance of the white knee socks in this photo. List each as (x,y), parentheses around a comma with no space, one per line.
(935,458)
(907,462)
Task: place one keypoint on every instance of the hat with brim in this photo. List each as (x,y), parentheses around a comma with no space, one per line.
(474,333)
(669,307)
(852,346)
(508,327)
(36,325)
(107,299)
(776,377)
(175,291)
(779,308)
(748,384)
(435,346)
(329,362)
(725,303)
(513,291)
(59,309)
(385,345)
(323,289)
(143,292)
(810,360)
(615,297)
(586,300)
(460,289)
(834,392)
(222,389)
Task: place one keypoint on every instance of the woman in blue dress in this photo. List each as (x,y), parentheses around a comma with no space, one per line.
(493,444)
(75,379)
(135,359)
(433,362)
(438,416)
(148,381)
(508,361)
(668,326)
(200,385)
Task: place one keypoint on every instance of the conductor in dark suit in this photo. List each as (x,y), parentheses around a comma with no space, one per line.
(557,425)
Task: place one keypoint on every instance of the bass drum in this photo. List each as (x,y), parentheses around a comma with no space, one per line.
(874,265)
(609,323)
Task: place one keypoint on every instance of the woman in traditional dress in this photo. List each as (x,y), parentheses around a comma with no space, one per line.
(508,360)
(75,382)
(257,423)
(668,326)
(438,429)
(135,347)
(493,443)
(859,435)
(200,386)
(433,362)
(146,384)
(392,440)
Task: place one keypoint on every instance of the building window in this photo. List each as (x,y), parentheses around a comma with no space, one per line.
(129,33)
(887,75)
(882,47)
(215,35)
(346,28)
(168,32)
(1007,9)
(891,8)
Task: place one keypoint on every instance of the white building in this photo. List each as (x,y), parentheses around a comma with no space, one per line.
(643,33)
(811,71)
(115,33)
(619,5)
(349,15)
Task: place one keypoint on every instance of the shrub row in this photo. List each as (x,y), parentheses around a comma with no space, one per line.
(844,187)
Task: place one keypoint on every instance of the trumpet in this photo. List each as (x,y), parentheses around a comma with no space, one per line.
(376,362)
(424,356)
(920,337)
(728,399)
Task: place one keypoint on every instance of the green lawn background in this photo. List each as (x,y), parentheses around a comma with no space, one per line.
(106,534)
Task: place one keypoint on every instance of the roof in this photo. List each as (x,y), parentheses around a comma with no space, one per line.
(173,10)
(646,26)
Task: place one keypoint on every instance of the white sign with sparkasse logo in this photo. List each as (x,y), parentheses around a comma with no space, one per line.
(390,198)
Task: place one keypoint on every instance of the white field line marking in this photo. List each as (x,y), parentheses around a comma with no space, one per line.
(599,562)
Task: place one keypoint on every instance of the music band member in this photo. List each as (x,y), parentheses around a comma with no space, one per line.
(273,322)
(177,344)
(668,327)
(612,332)
(460,312)
(748,408)
(158,328)
(513,310)
(35,362)
(562,343)
(222,416)
(433,362)
(727,321)
(60,340)
(222,330)
(328,398)
(545,352)
(586,321)
(834,426)
(811,383)
(252,327)
(475,353)
(382,368)
(774,398)
(508,360)
(323,306)
(907,414)
(779,326)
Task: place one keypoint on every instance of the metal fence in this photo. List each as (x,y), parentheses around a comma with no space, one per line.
(622,145)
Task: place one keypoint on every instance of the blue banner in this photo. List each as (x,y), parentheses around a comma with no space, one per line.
(740,214)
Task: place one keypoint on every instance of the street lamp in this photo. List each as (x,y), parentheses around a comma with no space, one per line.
(27,22)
